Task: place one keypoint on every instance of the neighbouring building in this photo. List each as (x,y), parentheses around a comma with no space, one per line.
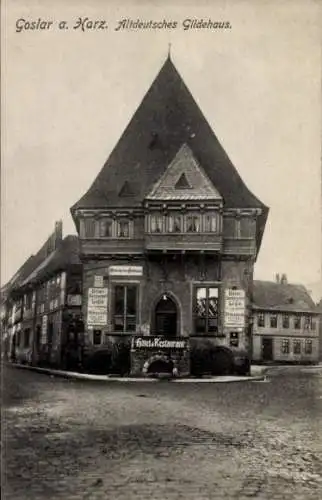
(285,323)
(319,309)
(169,234)
(42,322)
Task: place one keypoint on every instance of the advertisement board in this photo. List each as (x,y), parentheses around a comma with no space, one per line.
(235,308)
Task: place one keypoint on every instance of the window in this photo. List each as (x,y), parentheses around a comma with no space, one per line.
(246,227)
(286,321)
(156,223)
(123,229)
(307,322)
(297,347)
(28,301)
(106,228)
(261,319)
(193,224)
(273,320)
(174,223)
(97,337)
(58,279)
(229,227)
(89,228)
(206,310)
(210,222)
(297,321)
(125,308)
(285,346)
(26,337)
(308,346)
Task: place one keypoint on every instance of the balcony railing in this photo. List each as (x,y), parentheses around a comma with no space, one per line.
(239,246)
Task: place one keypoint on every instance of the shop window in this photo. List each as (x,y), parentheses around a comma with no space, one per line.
(285,346)
(273,320)
(89,227)
(297,347)
(261,320)
(210,223)
(308,346)
(193,224)
(174,223)
(297,322)
(26,337)
(125,308)
(206,310)
(286,321)
(97,337)
(123,229)
(106,228)
(156,223)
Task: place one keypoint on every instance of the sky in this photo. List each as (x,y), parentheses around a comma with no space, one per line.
(68,94)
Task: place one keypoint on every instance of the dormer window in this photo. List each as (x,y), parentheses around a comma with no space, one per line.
(123,229)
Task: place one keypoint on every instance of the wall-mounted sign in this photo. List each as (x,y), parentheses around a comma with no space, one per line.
(43,338)
(97,307)
(125,270)
(97,297)
(159,343)
(96,317)
(235,309)
(98,281)
(74,300)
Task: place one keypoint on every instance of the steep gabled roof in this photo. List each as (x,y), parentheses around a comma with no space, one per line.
(167,118)
(16,280)
(282,297)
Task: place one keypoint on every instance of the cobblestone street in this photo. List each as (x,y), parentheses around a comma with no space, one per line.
(84,440)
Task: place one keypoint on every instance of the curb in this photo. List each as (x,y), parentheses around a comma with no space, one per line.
(107,378)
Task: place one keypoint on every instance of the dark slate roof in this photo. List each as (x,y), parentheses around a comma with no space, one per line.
(27,267)
(65,255)
(167,118)
(282,297)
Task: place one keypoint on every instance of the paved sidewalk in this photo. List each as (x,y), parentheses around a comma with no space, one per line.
(108,378)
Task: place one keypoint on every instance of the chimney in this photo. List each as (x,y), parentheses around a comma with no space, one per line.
(277,278)
(58,233)
(284,279)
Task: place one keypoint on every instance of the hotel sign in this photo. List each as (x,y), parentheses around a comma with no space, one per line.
(125,270)
(159,343)
(235,308)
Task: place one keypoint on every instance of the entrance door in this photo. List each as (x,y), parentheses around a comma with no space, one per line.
(166,317)
(267,349)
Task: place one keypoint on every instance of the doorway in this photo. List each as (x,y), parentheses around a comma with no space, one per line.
(267,349)
(166,316)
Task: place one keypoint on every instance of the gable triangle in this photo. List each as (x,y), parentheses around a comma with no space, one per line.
(184,179)
(182,182)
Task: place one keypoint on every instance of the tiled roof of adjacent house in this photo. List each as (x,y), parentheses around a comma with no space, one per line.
(66,254)
(17,279)
(282,297)
(167,118)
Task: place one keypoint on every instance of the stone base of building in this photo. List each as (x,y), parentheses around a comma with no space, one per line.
(151,362)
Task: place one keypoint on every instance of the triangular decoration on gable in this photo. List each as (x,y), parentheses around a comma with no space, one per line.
(126,190)
(184,179)
(182,182)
